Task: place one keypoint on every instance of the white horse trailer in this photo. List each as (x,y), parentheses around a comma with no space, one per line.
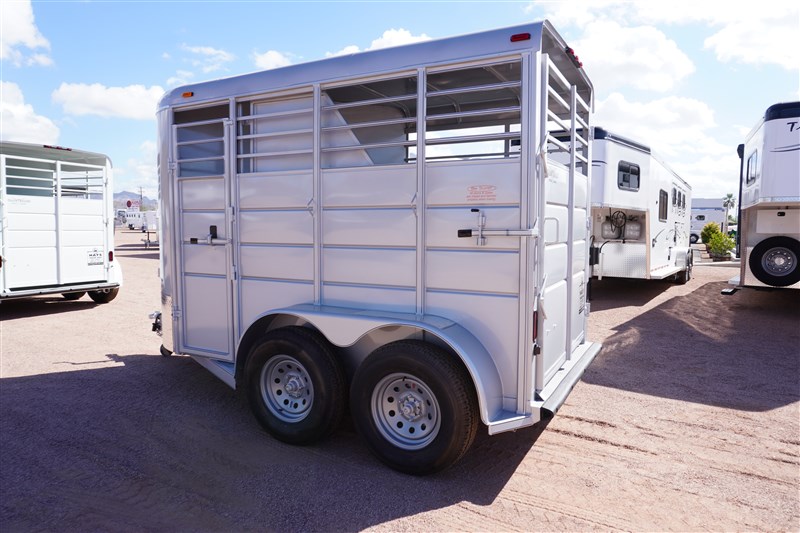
(640,213)
(56,223)
(705,211)
(387,226)
(769,220)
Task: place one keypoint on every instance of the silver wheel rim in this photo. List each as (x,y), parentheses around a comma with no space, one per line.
(405,411)
(286,388)
(779,261)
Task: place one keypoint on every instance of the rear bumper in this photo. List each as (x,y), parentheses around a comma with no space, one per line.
(57,289)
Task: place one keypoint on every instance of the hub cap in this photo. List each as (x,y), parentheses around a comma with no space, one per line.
(286,388)
(779,261)
(405,411)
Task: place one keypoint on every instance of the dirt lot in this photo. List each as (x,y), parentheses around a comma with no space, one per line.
(688,420)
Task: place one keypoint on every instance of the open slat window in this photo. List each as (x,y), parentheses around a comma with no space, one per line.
(276,134)
(30,178)
(370,123)
(473,112)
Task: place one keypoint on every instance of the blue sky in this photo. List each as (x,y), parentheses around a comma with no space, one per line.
(688,78)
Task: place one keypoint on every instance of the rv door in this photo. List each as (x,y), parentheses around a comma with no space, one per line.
(201,186)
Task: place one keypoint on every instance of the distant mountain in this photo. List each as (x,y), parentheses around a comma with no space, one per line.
(121,201)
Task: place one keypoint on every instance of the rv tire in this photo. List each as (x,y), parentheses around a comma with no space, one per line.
(415,407)
(72,295)
(103,296)
(295,385)
(693,238)
(774,261)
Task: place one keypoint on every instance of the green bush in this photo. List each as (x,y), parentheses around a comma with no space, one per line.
(720,244)
(709,230)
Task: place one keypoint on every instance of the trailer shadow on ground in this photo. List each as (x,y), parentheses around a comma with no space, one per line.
(102,447)
(610,293)
(42,305)
(738,352)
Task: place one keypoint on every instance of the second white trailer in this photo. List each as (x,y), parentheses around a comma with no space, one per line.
(56,223)
(640,213)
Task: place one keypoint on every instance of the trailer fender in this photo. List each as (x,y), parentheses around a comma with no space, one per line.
(345,327)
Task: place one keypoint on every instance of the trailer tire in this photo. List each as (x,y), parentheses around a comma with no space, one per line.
(693,238)
(415,407)
(295,385)
(103,296)
(72,295)
(774,261)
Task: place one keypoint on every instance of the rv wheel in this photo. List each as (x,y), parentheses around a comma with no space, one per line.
(414,406)
(774,261)
(693,238)
(103,296)
(295,385)
(72,295)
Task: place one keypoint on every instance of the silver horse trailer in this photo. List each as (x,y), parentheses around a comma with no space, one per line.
(769,219)
(389,228)
(56,223)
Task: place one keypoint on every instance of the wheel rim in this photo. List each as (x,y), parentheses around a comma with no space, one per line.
(286,388)
(405,411)
(779,261)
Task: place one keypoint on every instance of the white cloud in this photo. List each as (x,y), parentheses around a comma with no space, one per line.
(347,50)
(18,33)
(740,30)
(139,171)
(765,40)
(182,77)
(208,59)
(271,59)
(389,38)
(134,101)
(19,122)
(641,58)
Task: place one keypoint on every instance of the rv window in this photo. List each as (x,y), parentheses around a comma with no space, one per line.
(683,201)
(663,200)
(473,113)
(752,168)
(628,176)
(675,200)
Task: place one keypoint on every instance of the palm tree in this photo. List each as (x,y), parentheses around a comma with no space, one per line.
(728,203)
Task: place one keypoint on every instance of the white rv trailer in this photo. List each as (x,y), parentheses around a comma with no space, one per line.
(56,223)
(386,226)
(704,211)
(640,213)
(769,218)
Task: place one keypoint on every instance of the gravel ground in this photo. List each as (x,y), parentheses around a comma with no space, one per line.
(688,420)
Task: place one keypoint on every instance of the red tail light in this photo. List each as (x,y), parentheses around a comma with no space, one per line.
(110,256)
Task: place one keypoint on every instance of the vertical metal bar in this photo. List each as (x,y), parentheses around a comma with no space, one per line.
(58,215)
(316,195)
(571,217)
(527,219)
(420,205)
(3,221)
(231,208)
